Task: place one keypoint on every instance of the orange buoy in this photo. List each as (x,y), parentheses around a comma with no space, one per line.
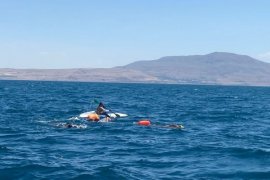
(144,122)
(93,117)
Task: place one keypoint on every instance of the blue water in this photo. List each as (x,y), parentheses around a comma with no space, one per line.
(226,134)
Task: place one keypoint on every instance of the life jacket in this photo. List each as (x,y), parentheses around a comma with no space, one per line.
(93,117)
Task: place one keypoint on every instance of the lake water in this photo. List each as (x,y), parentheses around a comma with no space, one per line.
(226,134)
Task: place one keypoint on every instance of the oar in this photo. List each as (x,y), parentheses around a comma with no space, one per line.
(96,101)
(117,115)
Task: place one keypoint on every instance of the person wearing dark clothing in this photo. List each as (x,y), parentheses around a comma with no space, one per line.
(101,110)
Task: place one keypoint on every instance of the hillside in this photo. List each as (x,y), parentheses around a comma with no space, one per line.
(84,75)
(215,68)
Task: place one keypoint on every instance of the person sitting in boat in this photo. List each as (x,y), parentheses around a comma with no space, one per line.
(101,110)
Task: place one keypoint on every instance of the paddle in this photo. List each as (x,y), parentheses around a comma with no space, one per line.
(117,115)
(96,101)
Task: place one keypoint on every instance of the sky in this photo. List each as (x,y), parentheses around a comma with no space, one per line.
(108,33)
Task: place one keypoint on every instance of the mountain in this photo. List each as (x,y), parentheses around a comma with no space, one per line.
(215,68)
(84,75)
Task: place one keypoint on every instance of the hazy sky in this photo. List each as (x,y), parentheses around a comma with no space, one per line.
(107,33)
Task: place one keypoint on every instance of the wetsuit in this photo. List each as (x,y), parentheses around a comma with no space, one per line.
(101,110)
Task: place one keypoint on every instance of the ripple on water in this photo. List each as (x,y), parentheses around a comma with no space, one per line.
(226,132)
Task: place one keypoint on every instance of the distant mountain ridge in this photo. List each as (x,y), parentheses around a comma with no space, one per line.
(216,68)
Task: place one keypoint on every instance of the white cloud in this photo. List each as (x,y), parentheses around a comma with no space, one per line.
(265,57)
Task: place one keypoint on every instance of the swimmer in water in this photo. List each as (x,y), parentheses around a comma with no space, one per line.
(146,122)
(176,126)
(69,125)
